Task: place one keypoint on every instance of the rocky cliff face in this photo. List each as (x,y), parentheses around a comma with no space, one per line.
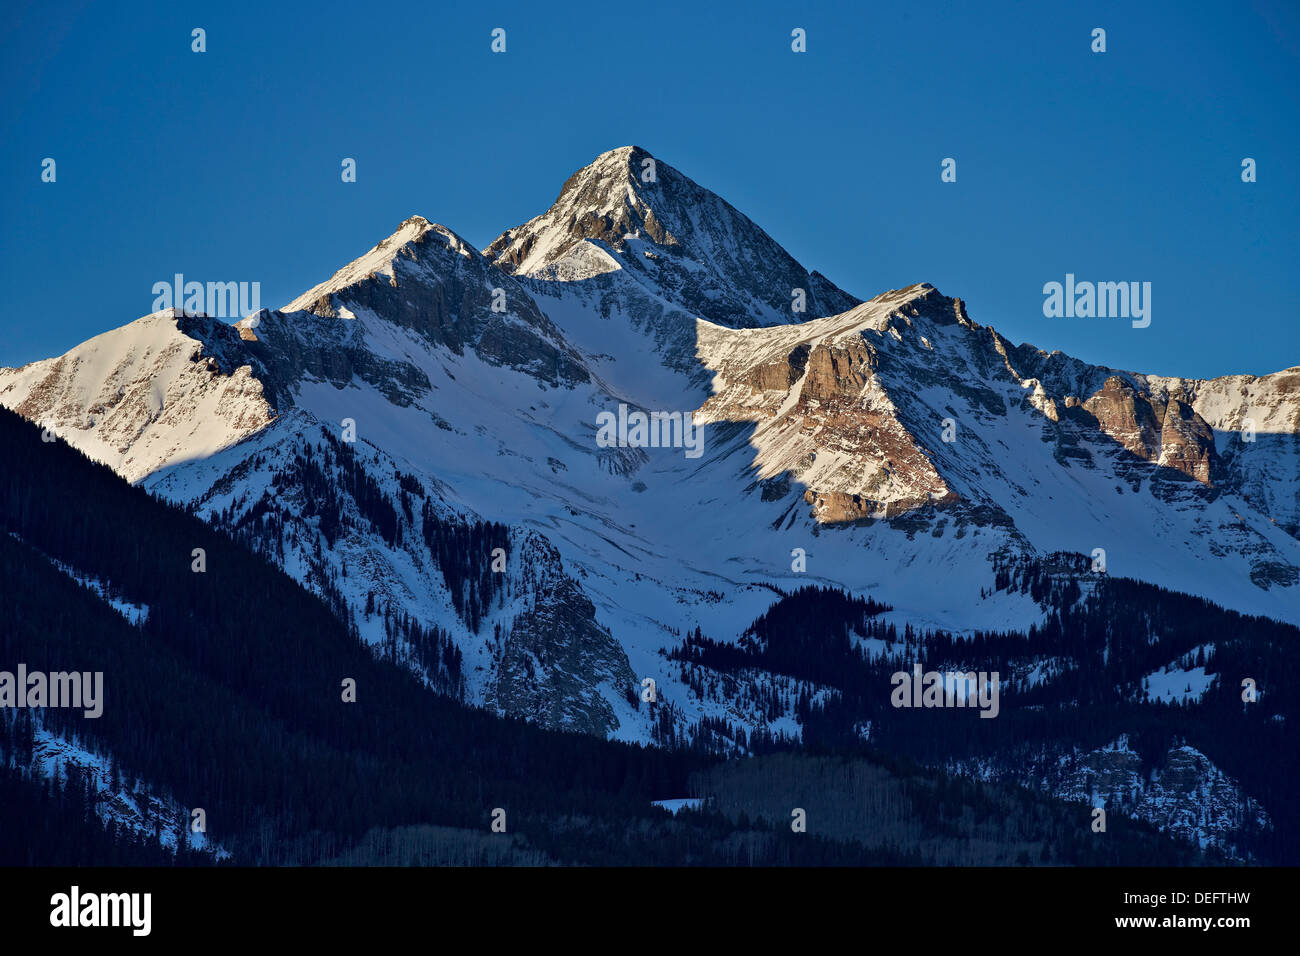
(1240,433)
(905,409)
(822,414)
(1255,420)
(1167,433)
(555,658)
(1185,794)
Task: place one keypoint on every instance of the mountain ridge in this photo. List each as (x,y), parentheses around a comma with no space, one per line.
(482,388)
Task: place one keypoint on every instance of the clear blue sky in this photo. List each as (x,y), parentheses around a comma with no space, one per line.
(1116,166)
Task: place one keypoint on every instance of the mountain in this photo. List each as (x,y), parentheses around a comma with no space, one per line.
(417,441)
(245,420)
(904,408)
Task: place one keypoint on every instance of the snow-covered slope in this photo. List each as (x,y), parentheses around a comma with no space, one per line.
(141,396)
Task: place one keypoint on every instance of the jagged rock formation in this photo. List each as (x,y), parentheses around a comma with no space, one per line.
(555,656)
(427,280)
(1186,795)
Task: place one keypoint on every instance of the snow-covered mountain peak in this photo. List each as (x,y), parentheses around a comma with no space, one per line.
(412,237)
(613,165)
(632,213)
(423,288)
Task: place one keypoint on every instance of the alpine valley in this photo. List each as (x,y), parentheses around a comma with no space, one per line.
(882,483)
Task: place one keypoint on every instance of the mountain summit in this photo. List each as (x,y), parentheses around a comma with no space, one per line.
(629,211)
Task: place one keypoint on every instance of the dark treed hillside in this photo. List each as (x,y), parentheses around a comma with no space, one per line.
(228,697)
(1101,636)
